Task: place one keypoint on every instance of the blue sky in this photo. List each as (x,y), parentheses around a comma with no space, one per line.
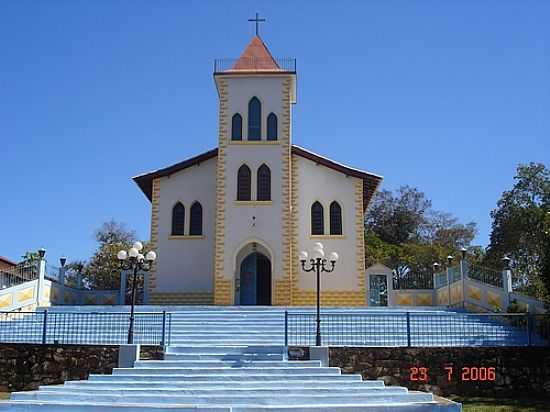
(445,96)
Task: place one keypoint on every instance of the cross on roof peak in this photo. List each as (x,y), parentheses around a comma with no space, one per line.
(258,20)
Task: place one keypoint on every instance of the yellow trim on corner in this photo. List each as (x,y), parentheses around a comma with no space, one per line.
(194,237)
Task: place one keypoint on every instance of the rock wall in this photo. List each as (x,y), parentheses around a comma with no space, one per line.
(26,366)
(449,371)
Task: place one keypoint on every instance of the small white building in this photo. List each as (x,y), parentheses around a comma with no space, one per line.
(228,224)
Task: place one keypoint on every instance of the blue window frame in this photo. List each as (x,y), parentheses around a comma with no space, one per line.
(254,119)
(272,127)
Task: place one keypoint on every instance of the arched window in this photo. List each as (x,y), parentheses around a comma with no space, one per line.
(264,183)
(254,119)
(335,219)
(237,127)
(317,219)
(178,219)
(195,224)
(272,127)
(244,183)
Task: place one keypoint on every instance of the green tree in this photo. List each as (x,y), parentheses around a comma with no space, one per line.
(519,229)
(403,232)
(103,269)
(397,218)
(30,258)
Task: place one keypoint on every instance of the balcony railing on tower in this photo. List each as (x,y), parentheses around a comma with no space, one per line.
(255,64)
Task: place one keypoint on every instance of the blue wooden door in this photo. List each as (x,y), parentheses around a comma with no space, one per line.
(248,280)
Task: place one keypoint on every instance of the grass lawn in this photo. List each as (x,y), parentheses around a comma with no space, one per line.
(503,405)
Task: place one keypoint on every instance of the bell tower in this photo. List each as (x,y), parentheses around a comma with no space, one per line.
(256,93)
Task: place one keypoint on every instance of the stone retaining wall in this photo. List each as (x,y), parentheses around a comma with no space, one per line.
(518,370)
(24,367)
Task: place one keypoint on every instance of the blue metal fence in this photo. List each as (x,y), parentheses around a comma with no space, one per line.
(418,329)
(84,328)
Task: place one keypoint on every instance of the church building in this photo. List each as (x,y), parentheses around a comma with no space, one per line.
(228,224)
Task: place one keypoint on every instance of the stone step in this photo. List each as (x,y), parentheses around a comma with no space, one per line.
(251,398)
(224,363)
(226,350)
(228,341)
(281,391)
(224,357)
(76,406)
(296,371)
(325,384)
(53,406)
(145,377)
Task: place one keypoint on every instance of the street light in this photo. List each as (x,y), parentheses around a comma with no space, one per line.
(506,262)
(450,262)
(134,260)
(318,263)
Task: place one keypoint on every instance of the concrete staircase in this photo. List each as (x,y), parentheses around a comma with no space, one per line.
(226,378)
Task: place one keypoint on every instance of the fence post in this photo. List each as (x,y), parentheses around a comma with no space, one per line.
(163,339)
(529,329)
(40,280)
(44,326)
(507,286)
(463,280)
(122,298)
(169,328)
(286,328)
(408,329)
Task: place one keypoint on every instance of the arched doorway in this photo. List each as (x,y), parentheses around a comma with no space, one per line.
(255,280)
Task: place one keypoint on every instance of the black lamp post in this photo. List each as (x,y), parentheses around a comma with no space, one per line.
(506,262)
(318,264)
(134,260)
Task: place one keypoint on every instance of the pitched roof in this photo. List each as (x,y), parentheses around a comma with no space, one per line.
(7,261)
(371,181)
(256,57)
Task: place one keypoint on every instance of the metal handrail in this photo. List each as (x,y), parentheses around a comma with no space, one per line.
(17,275)
(104,328)
(405,328)
(275,64)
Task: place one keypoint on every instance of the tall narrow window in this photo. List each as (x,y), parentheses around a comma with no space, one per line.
(317,219)
(195,224)
(244,183)
(237,127)
(272,127)
(254,119)
(178,219)
(335,219)
(264,183)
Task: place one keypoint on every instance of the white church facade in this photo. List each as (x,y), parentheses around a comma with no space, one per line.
(228,224)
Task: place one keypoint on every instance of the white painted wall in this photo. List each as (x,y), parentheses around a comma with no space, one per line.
(268,89)
(319,183)
(186,265)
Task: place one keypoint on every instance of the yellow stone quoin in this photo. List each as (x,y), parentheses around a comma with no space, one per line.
(154,230)
(25,294)
(6,301)
(191,298)
(222,286)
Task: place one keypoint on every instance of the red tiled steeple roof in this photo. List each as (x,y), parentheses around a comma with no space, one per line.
(256,57)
